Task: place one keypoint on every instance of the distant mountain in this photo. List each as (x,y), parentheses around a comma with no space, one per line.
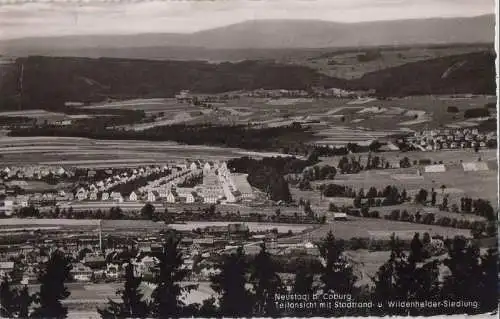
(266,34)
(472,73)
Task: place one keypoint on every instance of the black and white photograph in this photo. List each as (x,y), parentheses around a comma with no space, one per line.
(248,159)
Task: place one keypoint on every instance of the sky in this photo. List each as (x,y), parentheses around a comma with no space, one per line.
(34,18)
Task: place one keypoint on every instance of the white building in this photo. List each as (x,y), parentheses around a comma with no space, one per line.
(190,198)
(132,197)
(151,197)
(81,272)
(116,197)
(93,196)
(105,196)
(170,198)
(193,166)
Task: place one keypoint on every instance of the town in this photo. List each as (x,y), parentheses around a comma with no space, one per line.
(172,160)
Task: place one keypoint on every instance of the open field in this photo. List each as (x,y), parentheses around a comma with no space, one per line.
(335,120)
(365,227)
(253,227)
(347,64)
(81,152)
(84,224)
(42,115)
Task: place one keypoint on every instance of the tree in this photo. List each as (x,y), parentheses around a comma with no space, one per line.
(374,146)
(421,196)
(472,277)
(147,211)
(402,278)
(132,305)
(444,204)
(235,299)
(304,279)
(52,288)
(303,285)
(167,297)
(416,248)
(336,272)
(266,283)
(83,252)
(405,162)
(7,298)
(433,197)
(23,302)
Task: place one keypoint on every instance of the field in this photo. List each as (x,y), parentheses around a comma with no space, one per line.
(253,227)
(375,228)
(42,115)
(347,64)
(81,152)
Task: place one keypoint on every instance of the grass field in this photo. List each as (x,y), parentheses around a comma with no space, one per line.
(81,152)
(347,65)
(378,116)
(363,227)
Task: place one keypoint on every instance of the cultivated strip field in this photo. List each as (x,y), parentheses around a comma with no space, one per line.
(81,152)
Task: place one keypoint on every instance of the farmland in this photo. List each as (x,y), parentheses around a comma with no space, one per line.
(366,228)
(81,152)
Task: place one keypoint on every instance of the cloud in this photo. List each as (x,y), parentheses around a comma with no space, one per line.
(61,17)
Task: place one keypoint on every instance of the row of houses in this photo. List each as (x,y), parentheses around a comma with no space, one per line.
(430,140)
(33,172)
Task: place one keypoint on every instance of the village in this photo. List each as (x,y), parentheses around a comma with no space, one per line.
(207,182)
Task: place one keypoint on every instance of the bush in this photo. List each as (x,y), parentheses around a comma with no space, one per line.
(356,243)
(424,161)
(429,219)
(477,112)
(405,216)
(452,109)
(375,214)
(395,214)
(365,212)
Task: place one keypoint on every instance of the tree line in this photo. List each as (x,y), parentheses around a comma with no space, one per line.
(268,173)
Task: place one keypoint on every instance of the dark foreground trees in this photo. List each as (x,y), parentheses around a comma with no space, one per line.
(167,297)
(235,299)
(245,286)
(132,303)
(52,288)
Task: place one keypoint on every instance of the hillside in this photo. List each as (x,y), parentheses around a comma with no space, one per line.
(51,81)
(472,73)
(262,34)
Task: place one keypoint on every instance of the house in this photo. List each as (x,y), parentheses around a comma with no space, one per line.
(7,207)
(116,197)
(132,197)
(93,196)
(146,266)
(6,267)
(238,228)
(151,197)
(210,198)
(170,198)
(193,166)
(105,196)
(339,216)
(207,167)
(22,200)
(190,198)
(163,192)
(112,271)
(80,272)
